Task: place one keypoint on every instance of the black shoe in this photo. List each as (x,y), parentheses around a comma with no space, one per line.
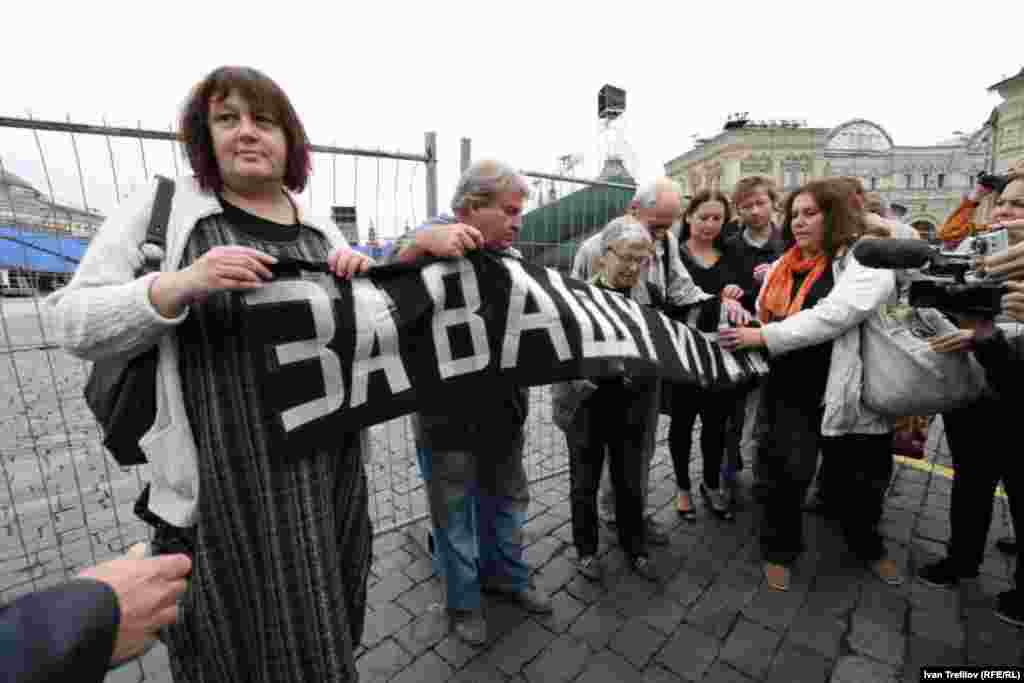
(943,574)
(818,506)
(469,626)
(717,501)
(1007,544)
(654,534)
(532,599)
(1010,607)
(642,565)
(590,568)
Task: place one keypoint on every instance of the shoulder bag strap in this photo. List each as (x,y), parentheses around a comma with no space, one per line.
(156,231)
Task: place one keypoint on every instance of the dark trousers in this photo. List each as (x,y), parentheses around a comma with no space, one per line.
(861,466)
(716,410)
(978,436)
(607,434)
(788,457)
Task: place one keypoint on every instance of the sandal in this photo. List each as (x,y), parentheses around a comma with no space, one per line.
(684,506)
(777,576)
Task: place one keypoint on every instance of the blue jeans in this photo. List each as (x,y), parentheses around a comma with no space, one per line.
(478,501)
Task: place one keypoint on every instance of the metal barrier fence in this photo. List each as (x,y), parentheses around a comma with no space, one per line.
(64,503)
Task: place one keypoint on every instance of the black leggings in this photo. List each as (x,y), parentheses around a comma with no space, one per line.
(716,410)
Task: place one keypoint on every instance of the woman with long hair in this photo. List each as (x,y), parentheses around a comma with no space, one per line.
(810,307)
(716,270)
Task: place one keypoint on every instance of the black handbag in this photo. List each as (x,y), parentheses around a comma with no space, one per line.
(121,392)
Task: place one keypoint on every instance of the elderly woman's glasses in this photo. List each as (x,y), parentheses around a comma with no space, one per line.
(639,260)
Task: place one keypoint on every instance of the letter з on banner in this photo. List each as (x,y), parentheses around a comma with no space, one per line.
(287,291)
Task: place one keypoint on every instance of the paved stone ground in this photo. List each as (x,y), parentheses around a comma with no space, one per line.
(711,618)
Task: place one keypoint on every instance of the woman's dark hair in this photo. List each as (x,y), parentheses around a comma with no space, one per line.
(261,93)
(842,225)
(703,197)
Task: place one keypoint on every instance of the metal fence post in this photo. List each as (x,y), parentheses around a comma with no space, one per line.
(431,153)
(465,155)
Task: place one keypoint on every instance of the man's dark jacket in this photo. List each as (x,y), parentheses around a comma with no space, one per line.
(64,633)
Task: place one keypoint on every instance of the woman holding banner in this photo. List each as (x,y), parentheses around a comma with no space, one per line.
(281,540)
(609,415)
(811,305)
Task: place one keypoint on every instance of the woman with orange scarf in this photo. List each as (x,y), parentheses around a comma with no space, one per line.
(811,306)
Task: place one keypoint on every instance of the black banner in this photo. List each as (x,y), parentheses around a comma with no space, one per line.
(336,356)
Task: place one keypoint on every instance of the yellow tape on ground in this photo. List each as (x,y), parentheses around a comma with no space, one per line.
(935,468)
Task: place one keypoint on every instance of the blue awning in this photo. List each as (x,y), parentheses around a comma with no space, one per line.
(38,251)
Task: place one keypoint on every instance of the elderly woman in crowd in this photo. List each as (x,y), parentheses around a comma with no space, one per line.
(608,416)
(281,541)
(811,305)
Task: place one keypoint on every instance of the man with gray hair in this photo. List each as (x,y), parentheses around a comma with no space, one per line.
(471,447)
(657,205)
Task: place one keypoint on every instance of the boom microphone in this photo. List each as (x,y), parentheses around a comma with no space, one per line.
(896,254)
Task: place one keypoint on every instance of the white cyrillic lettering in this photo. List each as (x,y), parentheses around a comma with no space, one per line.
(444,318)
(601,297)
(576,303)
(632,309)
(281,291)
(374,323)
(546,318)
(677,343)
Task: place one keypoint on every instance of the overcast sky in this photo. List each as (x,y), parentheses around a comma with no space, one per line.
(519,79)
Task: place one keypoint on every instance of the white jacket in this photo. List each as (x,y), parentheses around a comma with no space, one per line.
(858,293)
(105,311)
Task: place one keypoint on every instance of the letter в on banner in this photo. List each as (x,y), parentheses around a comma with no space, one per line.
(445,318)
(283,291)
(547,317)
(374,323)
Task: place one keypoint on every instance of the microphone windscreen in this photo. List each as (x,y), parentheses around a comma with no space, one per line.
(893,253)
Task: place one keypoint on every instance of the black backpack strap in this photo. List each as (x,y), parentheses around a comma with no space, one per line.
(157,231)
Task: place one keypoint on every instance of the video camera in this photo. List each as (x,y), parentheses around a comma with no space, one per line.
(946,280)
(996,183)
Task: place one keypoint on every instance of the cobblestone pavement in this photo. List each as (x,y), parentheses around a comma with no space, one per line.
(711,618)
